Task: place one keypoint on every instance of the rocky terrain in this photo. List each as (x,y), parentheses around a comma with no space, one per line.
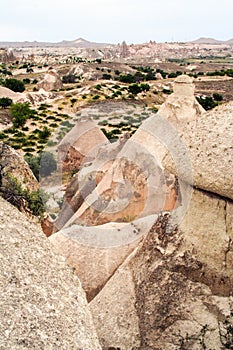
(175,290)
(129,150)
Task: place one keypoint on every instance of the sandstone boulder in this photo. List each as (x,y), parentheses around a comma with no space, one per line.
(42,304)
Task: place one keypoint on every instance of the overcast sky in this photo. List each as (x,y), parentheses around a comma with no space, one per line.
(115,20)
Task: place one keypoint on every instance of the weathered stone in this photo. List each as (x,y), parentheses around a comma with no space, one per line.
(13,165)
(95,252)
(210,150)
(51,81)
(42,304)
(181,279)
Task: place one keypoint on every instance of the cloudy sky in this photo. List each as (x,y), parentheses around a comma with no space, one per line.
(115,20)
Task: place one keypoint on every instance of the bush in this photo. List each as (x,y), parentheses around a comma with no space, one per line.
(17,196)
(207,102)
(217,97)
(106,76)
(69,79)
(20,112)
(137,88)
(26,81)
(48,164)
(5,102)
(14,85)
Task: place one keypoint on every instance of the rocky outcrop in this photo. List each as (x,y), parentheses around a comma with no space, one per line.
(80,145)
(51,81)
(7,55)
(15,96)
(42,303)
(210,148)
(181,107)
(124,51)
(177,285)
(13,166)
(95,252)
(175,290)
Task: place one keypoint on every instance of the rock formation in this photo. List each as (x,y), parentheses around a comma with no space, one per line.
(170,288)
(6,55)
(181,106)
(209,146)
(42,304)
(175,290)
(51,81)
(15,96)
(95,252)
(124,51)
(80,145)
(12,164)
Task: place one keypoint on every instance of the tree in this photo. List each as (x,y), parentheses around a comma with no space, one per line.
(14,85)
(207,102)
(48,164)
(5,102)
(217,97)
(20,112)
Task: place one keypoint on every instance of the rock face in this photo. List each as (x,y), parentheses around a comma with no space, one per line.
(42,304)
(6,55)
(13,165)
(80,145)
(175,290)
(181,106)
(51,81)
(210,149)
(95,252)
(177,285)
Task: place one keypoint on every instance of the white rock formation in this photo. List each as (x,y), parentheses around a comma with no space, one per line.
(51,81)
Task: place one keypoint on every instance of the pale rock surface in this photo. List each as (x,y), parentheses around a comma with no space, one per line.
(177,285)
(84,141)
(42,304)
(15,96)
(51,81)
(95,252)
(181,107)
(210,149)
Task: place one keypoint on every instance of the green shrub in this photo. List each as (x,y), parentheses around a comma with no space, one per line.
(20,112)
(14,85)
(73,100)
(207,102)
(5,102)
(16,195)
(106,76)
(48,164)
(217,97)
